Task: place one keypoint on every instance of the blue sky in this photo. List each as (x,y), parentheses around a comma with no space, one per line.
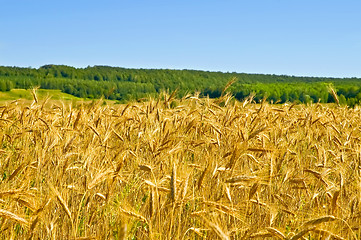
(293,37)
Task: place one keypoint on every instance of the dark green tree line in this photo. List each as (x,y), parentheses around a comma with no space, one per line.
(126,84)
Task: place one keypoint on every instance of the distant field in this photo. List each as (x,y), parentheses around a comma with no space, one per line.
(186,168)
(25,97)
(15,94)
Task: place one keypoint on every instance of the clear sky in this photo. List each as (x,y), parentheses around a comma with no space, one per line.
(293,37)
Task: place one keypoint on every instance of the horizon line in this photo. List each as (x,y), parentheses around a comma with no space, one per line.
(180,69)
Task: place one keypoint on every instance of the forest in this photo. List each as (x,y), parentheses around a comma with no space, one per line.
(124,84)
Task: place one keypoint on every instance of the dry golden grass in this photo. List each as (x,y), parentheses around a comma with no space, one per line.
(180,169)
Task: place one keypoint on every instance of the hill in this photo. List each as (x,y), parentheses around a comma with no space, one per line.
(125,84)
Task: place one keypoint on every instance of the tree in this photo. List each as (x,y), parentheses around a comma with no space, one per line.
(2,86)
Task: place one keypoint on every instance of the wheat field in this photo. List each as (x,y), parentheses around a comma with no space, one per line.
(190,168)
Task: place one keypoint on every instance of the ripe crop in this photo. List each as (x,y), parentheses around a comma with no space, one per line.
(190,168)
